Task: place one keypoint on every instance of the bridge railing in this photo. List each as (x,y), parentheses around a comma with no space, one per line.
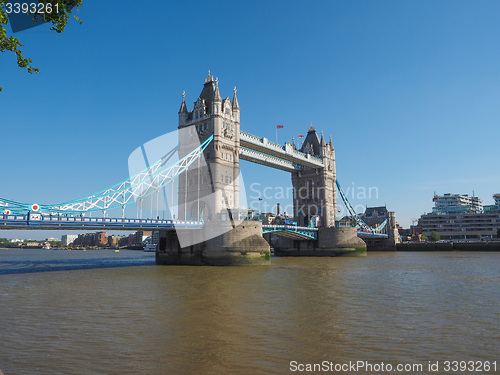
(289,227)
(256,155)
(250,137)
(95,220)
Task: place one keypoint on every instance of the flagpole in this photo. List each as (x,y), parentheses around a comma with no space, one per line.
(300,136)
(278,126)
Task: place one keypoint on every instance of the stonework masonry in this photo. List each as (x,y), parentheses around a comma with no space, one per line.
(314,189)
(242,245)
(331,242)
(212,186)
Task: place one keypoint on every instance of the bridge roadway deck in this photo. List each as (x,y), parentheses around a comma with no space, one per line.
(292,231)
(363,234)
(308,233)
(87,223)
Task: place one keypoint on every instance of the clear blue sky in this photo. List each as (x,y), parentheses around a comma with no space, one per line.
(409,90)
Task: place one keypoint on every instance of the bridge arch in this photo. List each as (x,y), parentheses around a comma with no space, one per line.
(204,211)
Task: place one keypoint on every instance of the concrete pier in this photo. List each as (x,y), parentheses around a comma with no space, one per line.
(242,245)
(331,242)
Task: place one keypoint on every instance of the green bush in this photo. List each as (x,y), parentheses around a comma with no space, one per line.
(434,236)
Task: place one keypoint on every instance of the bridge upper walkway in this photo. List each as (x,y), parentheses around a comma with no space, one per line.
(262,151)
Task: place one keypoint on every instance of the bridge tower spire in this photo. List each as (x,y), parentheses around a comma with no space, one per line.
(236,106)
(183,112)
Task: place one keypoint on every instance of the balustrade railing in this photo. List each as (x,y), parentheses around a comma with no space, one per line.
(264,142)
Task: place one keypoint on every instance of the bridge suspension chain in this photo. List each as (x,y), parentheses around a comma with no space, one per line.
(359,221)
(122,194)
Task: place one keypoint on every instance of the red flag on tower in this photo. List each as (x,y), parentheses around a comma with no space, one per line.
(280,126)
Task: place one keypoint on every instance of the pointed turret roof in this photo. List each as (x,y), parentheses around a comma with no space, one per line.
(235,100)
(323,143)
(217,97)
(183,108)
(312,139)
(210,92)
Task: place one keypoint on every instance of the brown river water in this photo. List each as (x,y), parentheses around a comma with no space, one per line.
(100,312)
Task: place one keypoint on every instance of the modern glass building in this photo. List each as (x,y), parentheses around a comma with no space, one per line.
(456,203)
(457,216)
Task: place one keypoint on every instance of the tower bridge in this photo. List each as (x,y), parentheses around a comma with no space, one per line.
(210,226)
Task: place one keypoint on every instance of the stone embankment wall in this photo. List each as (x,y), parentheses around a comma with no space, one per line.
(448,246)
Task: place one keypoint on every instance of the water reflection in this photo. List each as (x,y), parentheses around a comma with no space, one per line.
(14,261)
(391,307)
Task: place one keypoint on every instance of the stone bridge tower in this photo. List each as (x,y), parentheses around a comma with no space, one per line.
(208,190)
(314,189)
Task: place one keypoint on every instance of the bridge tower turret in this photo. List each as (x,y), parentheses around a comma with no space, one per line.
(236,106)
(211,189)
(314,189)
(183,112)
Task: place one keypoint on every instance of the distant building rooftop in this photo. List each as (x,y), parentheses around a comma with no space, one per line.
(456,203)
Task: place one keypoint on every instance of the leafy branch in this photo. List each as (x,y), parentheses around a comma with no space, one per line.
(58,20)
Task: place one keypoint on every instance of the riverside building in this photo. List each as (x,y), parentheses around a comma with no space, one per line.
(68,239)
(456,203)
(457,216)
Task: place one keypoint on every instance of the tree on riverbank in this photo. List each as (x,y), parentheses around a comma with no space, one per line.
(434,236)
(58,19)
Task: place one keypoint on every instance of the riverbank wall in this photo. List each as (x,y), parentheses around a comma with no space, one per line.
(448,246)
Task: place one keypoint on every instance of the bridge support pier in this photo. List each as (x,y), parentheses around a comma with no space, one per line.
(331,242)
(385,244)
(242,245)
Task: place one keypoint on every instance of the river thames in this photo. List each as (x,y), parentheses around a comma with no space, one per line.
(101,312)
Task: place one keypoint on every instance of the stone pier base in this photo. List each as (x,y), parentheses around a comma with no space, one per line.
(380,244)
(331,242)
(242,245)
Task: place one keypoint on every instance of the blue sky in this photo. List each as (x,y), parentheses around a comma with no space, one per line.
(409,91)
